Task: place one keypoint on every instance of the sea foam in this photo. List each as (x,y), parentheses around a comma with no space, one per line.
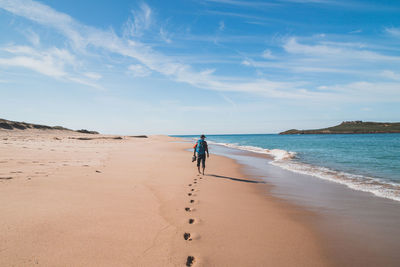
(276,154)
(288,161)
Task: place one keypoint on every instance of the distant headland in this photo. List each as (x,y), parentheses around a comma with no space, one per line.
(352,127)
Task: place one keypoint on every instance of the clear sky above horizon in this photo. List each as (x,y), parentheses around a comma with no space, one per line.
(199,66)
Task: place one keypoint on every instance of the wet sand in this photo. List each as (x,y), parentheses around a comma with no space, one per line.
(358,228)
(140,202)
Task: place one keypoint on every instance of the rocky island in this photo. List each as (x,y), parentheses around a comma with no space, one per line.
(352,127)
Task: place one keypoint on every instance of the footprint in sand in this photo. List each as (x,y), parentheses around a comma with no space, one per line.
(192,189)
(190,184)
(192,201)
(189,194)
(191,221)
(188,209)
(189,261)
(186,236)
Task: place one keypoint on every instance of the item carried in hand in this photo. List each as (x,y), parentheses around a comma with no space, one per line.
(193,158)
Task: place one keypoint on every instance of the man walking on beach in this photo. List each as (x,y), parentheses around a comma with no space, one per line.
(201,148)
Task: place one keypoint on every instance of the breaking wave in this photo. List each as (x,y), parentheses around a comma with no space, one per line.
(276,154)
(288,161)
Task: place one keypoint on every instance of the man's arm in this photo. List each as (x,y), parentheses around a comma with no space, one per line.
(194,149)
(207,150)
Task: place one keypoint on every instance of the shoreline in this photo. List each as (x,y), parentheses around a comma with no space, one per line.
(103,202)
(345,219)
(259,189)
(360,180)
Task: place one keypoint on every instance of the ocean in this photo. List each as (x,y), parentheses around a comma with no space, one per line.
(364,162)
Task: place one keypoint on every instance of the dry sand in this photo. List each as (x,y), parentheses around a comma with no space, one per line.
(125,202)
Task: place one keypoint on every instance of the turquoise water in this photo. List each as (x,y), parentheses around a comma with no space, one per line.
(366,162)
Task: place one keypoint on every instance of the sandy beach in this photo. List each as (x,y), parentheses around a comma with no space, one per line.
(102,201)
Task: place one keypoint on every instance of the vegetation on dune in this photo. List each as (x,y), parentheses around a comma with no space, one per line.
(15,125)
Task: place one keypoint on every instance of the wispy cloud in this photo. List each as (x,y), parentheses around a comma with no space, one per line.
(93,75)
(267,54)
(53,62)
(281,3)
(50,62)
(140,21)
(145,59)
(139,70)
(33,37)
(81,36)
(391,75)
(165,36)
(355,31)
(366,91)
(294,47)
(351,4)
(393,31)
(239,3)
(327,59)
(237,14)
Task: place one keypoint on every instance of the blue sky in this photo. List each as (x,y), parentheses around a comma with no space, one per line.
(199,66)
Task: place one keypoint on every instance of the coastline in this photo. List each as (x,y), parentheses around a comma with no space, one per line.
(357,228)
(123,202)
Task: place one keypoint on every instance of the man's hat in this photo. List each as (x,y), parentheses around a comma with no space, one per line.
(202,136)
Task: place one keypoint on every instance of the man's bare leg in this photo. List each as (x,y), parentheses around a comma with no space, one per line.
(203,170)
(198,167)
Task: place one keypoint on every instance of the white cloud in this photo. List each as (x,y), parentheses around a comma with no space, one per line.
(45,67)
(228,100)
(344,44)
(165,36)
(93,75)
(52,62)
(141,20)
(366,91)
(393,31)
(139,70)
(207,72)
(391,75)
(267,54)
(246,62)
(32,37)
(49,62)
(84,82)
(356,31)
(84,37)
(321,50)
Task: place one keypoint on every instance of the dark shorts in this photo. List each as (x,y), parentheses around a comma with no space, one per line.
(201,158)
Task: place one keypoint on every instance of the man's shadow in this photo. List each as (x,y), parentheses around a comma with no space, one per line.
(236,179)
